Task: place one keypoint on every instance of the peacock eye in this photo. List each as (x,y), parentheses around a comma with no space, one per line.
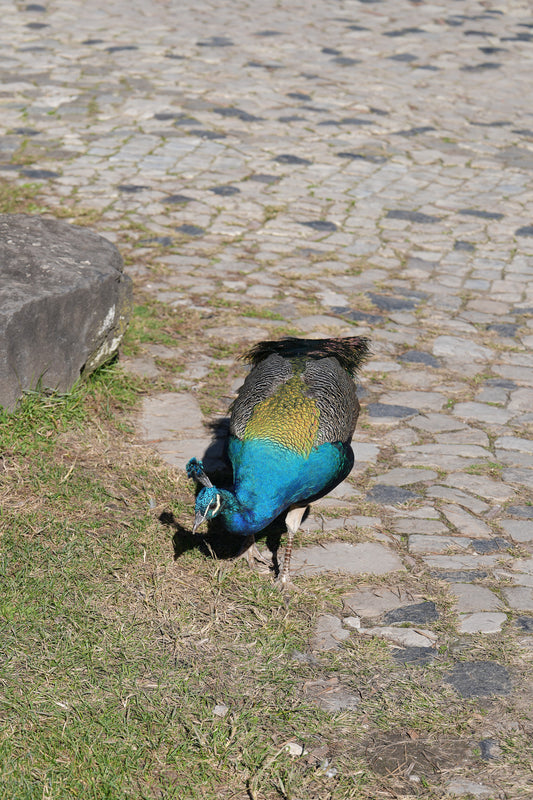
(214,505)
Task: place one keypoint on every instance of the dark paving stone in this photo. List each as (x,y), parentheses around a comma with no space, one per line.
(93,41)
(415,655)
(39,174)
(131,188)
(476,33)
(379,111)
(216,41)
(498,123)
(390,303)
(119,47)
(358,316)
(320,225)
(356,121)
(386,410)
(37,26)
(292,118)
(287,158)
(418,613)
(524,310)
(412,216)
(345,61)
(225,191)
(330,51)
(316,109)
(402,32)
(459,575)
(415,132)
(428,66)
(35,7)
(479,679)
(460,244)
(184,119)
(382,493)
(363,157)
(481,67)
(473,212)
(299,96)
(330,122)
(26,132)
(263,177)
(419,357)
(357,28)
(165,241)
(526,230)
(165,115)
(207,134)
(524,512)
(406,57)
(503,383)
(523,132)
(174,55)
(491,51)
(236,112)
(190,230)
(520,37)
(483,546)
(490,750)
(503,329)
(268,33)
(177,199)
(525,623)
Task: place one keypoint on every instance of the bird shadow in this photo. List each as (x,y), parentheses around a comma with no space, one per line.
(218,543)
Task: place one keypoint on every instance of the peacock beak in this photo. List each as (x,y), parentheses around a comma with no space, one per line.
(199,518)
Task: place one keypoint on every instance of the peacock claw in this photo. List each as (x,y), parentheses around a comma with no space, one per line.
(252,554)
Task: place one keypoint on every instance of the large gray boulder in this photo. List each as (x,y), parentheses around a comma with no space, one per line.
(64,304)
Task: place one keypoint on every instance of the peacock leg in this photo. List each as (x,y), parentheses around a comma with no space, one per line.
(292,521)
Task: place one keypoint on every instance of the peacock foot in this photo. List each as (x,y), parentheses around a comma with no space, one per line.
(253,555)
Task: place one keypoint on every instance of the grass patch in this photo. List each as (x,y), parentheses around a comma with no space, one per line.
(134,665)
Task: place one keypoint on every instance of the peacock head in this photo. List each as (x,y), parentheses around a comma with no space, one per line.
(208,504)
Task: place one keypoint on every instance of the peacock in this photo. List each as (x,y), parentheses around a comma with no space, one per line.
(290,431)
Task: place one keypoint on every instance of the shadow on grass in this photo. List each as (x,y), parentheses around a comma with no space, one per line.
(218,543)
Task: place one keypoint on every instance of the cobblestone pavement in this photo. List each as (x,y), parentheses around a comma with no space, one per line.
(328,168)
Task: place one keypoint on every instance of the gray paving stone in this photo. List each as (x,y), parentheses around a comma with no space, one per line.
(519,598)
(329,633)
(373,602)
(405,637)
(359,559)
(480,485)
(461,349)
(482,622)
(481,412)
(456,496)
(520,530)
(403,476)
(472,598)
(466,523)
(461,787)
(523,477)
(434,543)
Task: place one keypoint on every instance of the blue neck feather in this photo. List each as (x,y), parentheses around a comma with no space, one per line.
(268,478)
